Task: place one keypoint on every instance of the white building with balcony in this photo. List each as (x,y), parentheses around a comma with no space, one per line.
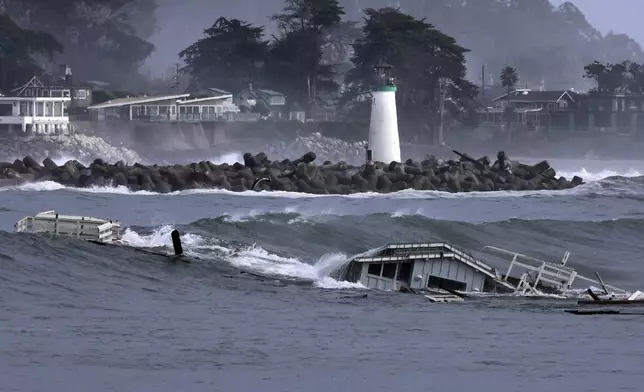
(211,105)
(35,108)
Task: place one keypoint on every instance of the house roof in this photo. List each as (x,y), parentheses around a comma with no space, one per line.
(527,95)
(259,92)
(135,101)
(218,91)
(203,99)
(33,82)
(34,99)
(270,92)
(207,92)
(48,81)
(493,110)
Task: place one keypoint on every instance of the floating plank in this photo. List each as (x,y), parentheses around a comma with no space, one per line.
(591,312)
(602,302)
(443,298)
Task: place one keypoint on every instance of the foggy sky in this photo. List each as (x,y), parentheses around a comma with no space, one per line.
(182,22)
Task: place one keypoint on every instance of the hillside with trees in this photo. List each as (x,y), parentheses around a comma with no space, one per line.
(305,60)
(547,44)
(109,40)
(102,40)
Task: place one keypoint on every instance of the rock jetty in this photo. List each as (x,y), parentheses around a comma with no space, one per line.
(301,175)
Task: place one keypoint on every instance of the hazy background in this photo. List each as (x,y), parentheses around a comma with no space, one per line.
(182,22)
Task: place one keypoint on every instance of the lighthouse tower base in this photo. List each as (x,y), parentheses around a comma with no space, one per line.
(384,141)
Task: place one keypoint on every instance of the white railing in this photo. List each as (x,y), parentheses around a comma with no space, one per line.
(199,117)
(87,228)
(556,275)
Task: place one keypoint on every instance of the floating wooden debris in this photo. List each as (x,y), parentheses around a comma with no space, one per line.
(96,230)
(635,299)
(592,312)
(82,227)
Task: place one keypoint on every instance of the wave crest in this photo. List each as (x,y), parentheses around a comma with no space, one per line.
(251,258)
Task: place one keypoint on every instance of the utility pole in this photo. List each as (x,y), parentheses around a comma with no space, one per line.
(442,91)
(483,83)
(175,83)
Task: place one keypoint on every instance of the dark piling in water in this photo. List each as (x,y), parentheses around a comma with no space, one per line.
(176,243)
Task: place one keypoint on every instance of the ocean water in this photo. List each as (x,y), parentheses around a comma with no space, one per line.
(75,316)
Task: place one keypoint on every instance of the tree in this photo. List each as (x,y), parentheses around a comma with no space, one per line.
(18,47)
(230,56)
(338,48)
(308,14)
(296,55)
(509,79)
(421,56)
(99,36)
(616,78)
(547,42)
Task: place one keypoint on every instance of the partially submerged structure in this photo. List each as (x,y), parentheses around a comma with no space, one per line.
(421,266)
(81,227)
(438,267)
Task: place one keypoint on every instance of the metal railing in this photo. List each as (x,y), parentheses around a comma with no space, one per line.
(72,226)
(198,117)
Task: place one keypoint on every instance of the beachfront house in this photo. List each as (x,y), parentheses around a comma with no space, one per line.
(36,108)
(273,101)
(533,109)
(210,104)
(139,108)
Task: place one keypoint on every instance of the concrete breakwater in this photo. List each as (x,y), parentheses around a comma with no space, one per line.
(300,175)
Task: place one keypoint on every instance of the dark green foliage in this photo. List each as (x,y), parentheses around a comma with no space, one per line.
(309,14)
(542,41)
(296,56)
(17,49)
(230,56)
(99,37)
(421,56)
(509,78)
(234,54)
(619,78)
(294,66)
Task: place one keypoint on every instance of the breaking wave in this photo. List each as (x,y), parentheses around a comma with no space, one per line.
(248,257)
(311,249)
(314,248)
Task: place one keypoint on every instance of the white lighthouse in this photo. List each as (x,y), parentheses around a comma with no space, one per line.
(384,141)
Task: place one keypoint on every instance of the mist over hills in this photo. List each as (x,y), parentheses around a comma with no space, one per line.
(548,45)
(128,42)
